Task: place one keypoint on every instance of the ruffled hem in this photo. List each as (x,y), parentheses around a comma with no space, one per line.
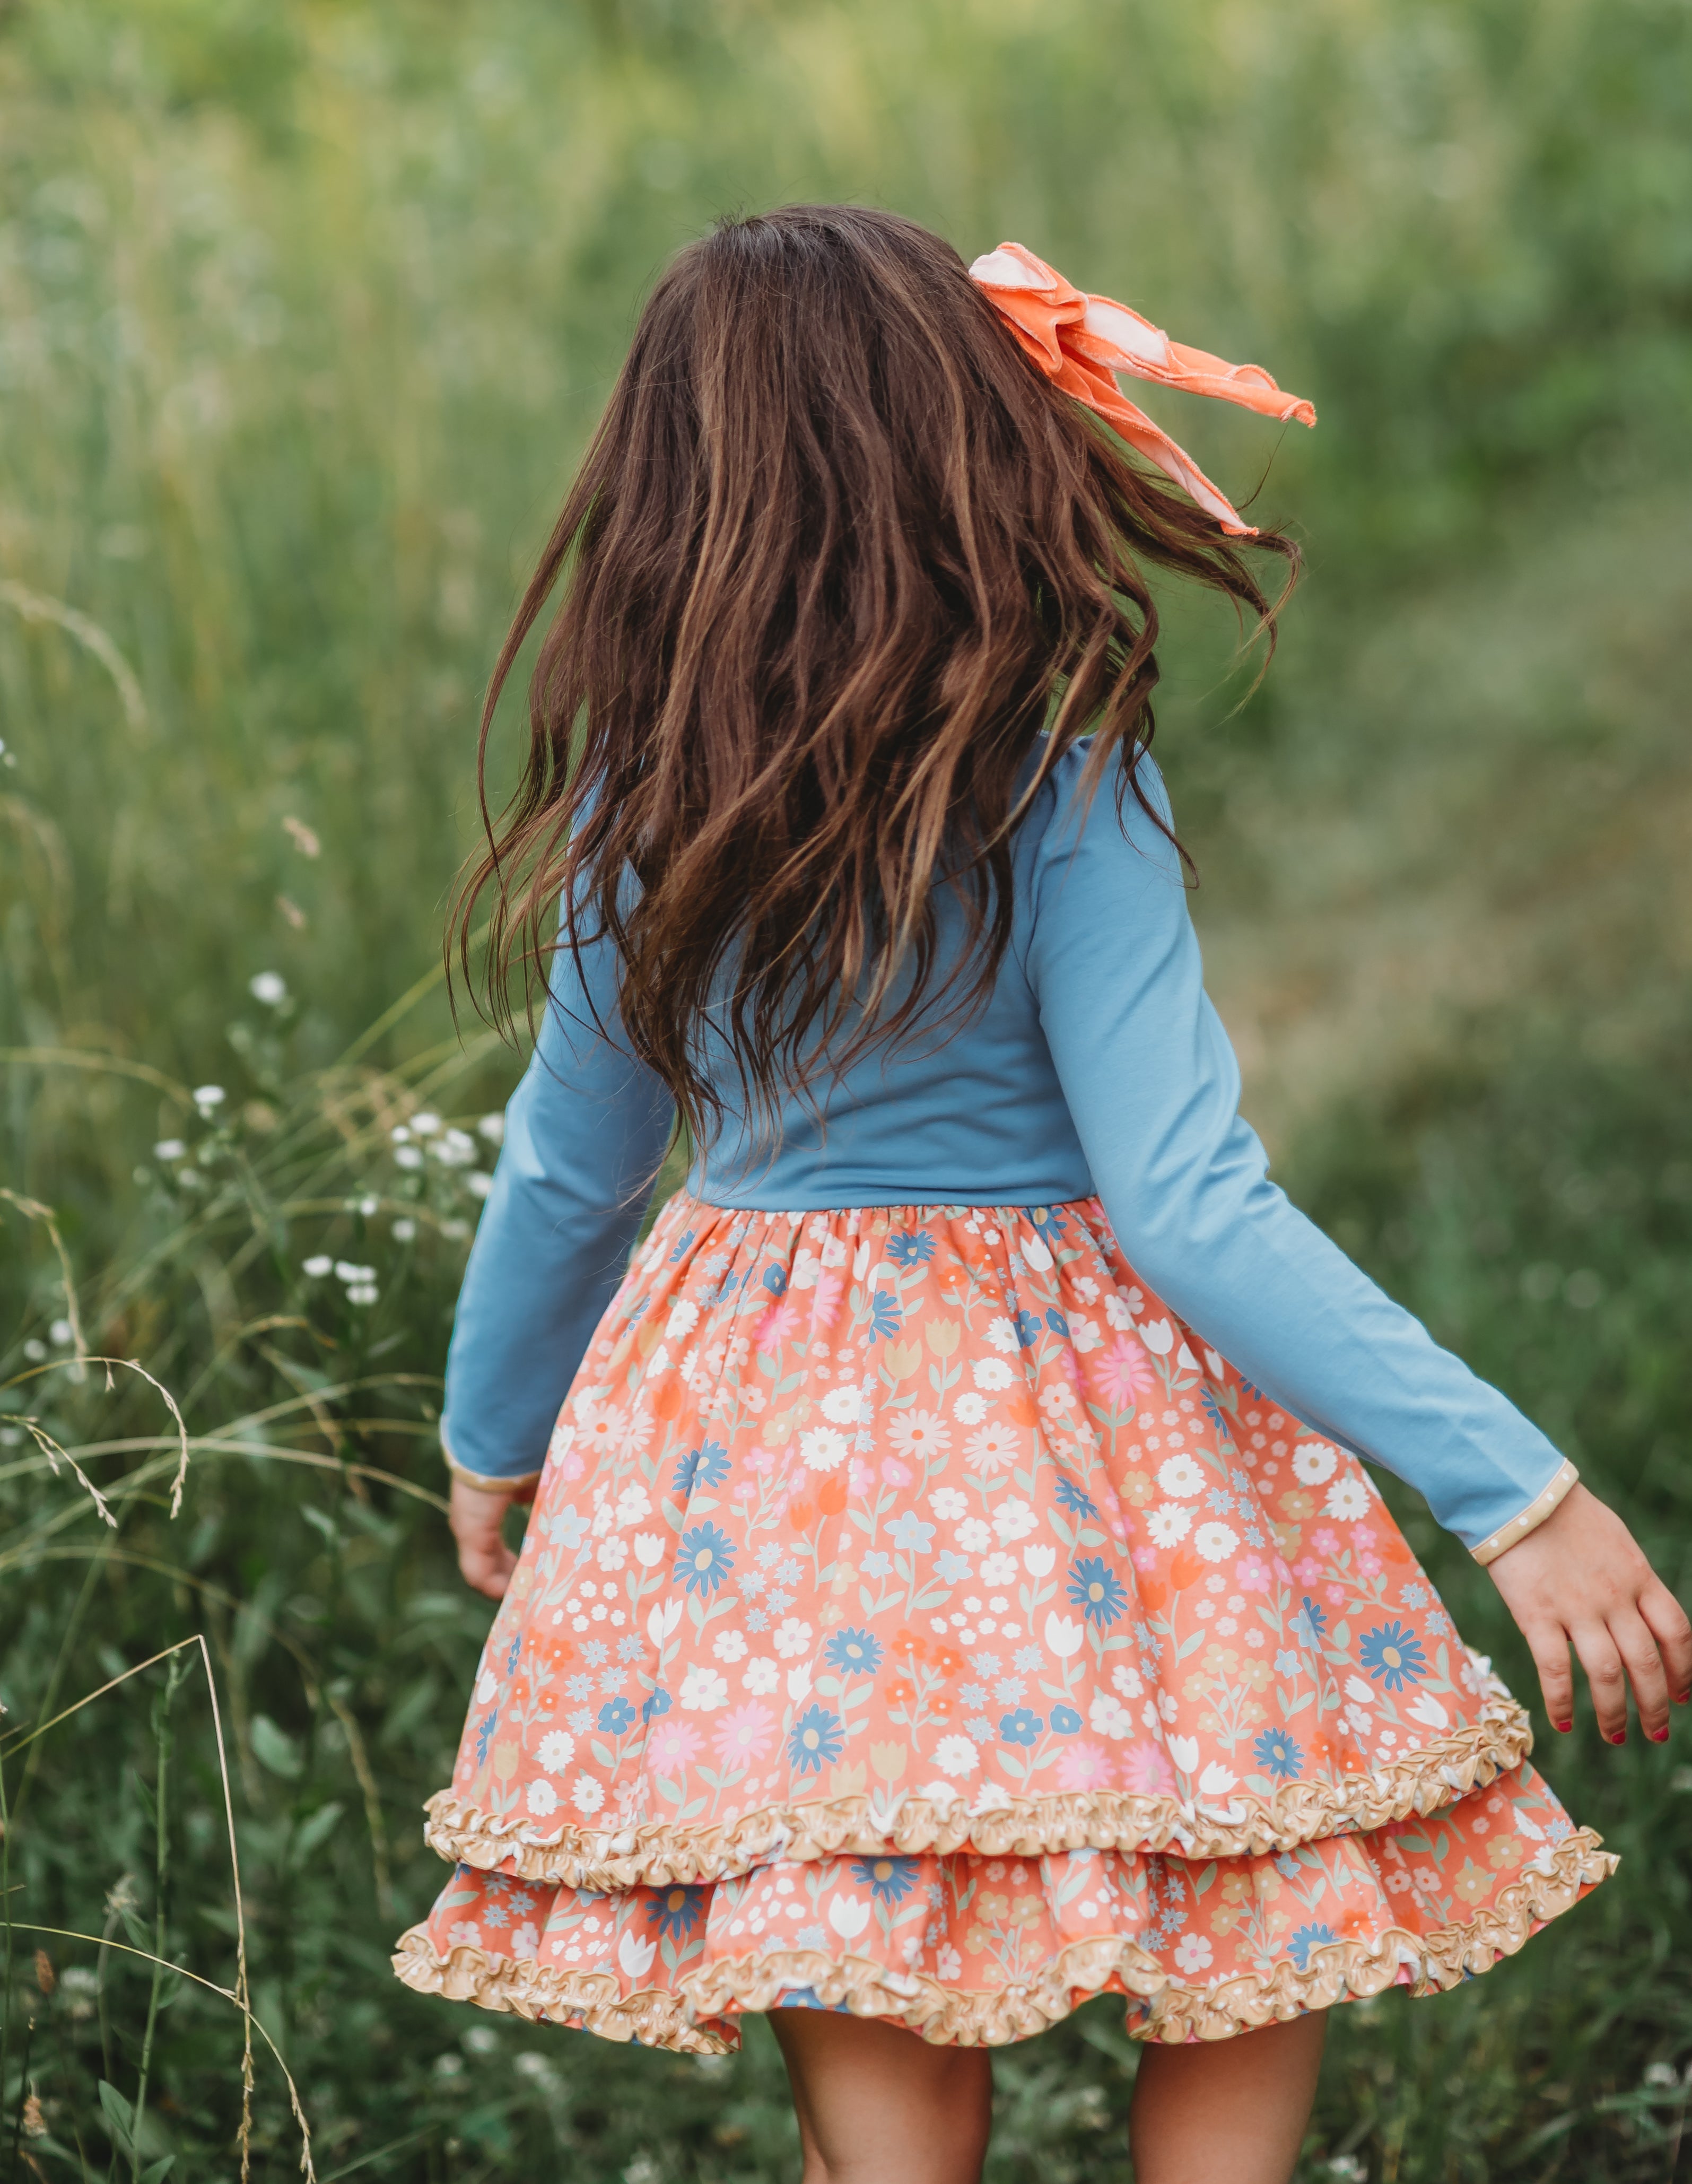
(656,1854)
(696,2017)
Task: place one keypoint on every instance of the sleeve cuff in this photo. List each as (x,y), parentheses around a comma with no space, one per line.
(1531,1518)
(488,1482)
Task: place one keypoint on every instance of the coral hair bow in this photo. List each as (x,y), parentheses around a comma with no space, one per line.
(1080,342)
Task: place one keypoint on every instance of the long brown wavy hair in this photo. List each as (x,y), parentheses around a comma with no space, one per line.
(838,553)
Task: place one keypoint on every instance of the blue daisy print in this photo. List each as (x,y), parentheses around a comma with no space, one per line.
(675,1912)
(704,1558)
(1300,1945)
(855,1652)
(614,1717)
(885,1318)
(815,1741)
(1021,1727)
(656,1704)
(1097,1590)
(888,1879)
(1392,1653)
(1077,1503)
(708,1465)
(1027,1329)
(1066,1720)
(482,1736)
(910,1250)
(1278,1754)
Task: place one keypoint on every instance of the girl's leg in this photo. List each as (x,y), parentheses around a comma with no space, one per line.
(1226,2111)
(879,2105)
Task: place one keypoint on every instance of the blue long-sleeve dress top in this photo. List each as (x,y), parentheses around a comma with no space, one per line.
(1098,1065)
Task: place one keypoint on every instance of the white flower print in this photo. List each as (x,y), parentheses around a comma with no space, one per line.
(1426,1709)
(761,1675)
(684,1318)
(840,1405)
(1116,1311)
(1214,1365)
(729,1646)
(648,1549)
(999,1569)
(955,1755)
(919,1434)
(588,1795)
(1180,1476)
(991,1373)
(1158,1336)
(466,1934)
(1063,1634)
(1038,1254)
(1348,1499)
(1057,1400)
(1216,1781)
(1012,1520)
(1184,1751)
(554,1750)
(948,1504)
(1169,1524)
(1037,1560)
(807,1270)
(633,1502)
(563,1433)
(1085,1335)
(973,1536)
(486,1684)
(792,1638)
(833,1251)
(822,1448)
(1185,1359)
(949,1964)
(1215,1542)
(1167,1706)
(599,1432)
(1193,1952)
(525,1941)
(1127,1681)
(1001,1332)
(969,1409)
(613,1552)
(1109,1717)
(703,1690)
(1314,1461)
(1365,1694)
(541,1798)
(994,1448)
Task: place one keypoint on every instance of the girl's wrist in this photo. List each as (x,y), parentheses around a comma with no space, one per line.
(1545,1504)
(482,1481)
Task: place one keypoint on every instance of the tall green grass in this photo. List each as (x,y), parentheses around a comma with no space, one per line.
(304,311)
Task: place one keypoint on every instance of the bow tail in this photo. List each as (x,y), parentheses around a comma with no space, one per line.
(1152,441)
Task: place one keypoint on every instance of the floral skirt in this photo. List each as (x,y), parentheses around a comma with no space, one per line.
(917,1618)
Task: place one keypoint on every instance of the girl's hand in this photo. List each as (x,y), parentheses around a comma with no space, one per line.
(477,1517)
(1579,1579)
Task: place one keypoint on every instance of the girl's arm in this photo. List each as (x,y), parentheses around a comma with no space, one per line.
(585,1133)
(1153,1085)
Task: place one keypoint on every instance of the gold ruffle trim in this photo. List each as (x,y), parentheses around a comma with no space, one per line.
(658,1854)
(1339,1971)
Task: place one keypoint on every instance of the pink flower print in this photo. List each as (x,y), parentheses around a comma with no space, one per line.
(1146,1770)
(744,1734)
(919,1434)
(1307,1570)
(1251,1574)
(1336,1595)
(780,1321)
(673,1745)
(1122,1374)
(1370,1565)
(763,1461)
(826,1295)
(858,1476)
(1365,1537)
(1325,1540)
(895,1473)
(1084,1766)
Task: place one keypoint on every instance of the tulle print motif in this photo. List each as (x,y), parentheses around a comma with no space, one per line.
(917,1618)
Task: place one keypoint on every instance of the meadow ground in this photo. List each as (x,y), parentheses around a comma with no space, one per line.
(303,314)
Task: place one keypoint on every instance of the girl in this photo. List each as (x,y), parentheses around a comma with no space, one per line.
(952,1590)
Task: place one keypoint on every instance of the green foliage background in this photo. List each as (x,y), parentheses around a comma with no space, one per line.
(305,309)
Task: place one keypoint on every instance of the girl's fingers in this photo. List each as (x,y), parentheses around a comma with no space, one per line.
(1601,1659)
(1548,1645)
(1665,1620)
(1644,1664)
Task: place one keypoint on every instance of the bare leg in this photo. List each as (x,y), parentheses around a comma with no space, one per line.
(879,2105)
(1226,2111)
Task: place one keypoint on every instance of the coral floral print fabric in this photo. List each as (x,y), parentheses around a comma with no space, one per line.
(916,1618)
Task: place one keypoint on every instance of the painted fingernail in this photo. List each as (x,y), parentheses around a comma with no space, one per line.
(1565,1726)
(1658,1736)
(1620,1737)
(1682,1698)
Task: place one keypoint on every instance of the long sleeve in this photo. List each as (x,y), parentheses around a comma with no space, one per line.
(585,1128)
(1153,1086)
